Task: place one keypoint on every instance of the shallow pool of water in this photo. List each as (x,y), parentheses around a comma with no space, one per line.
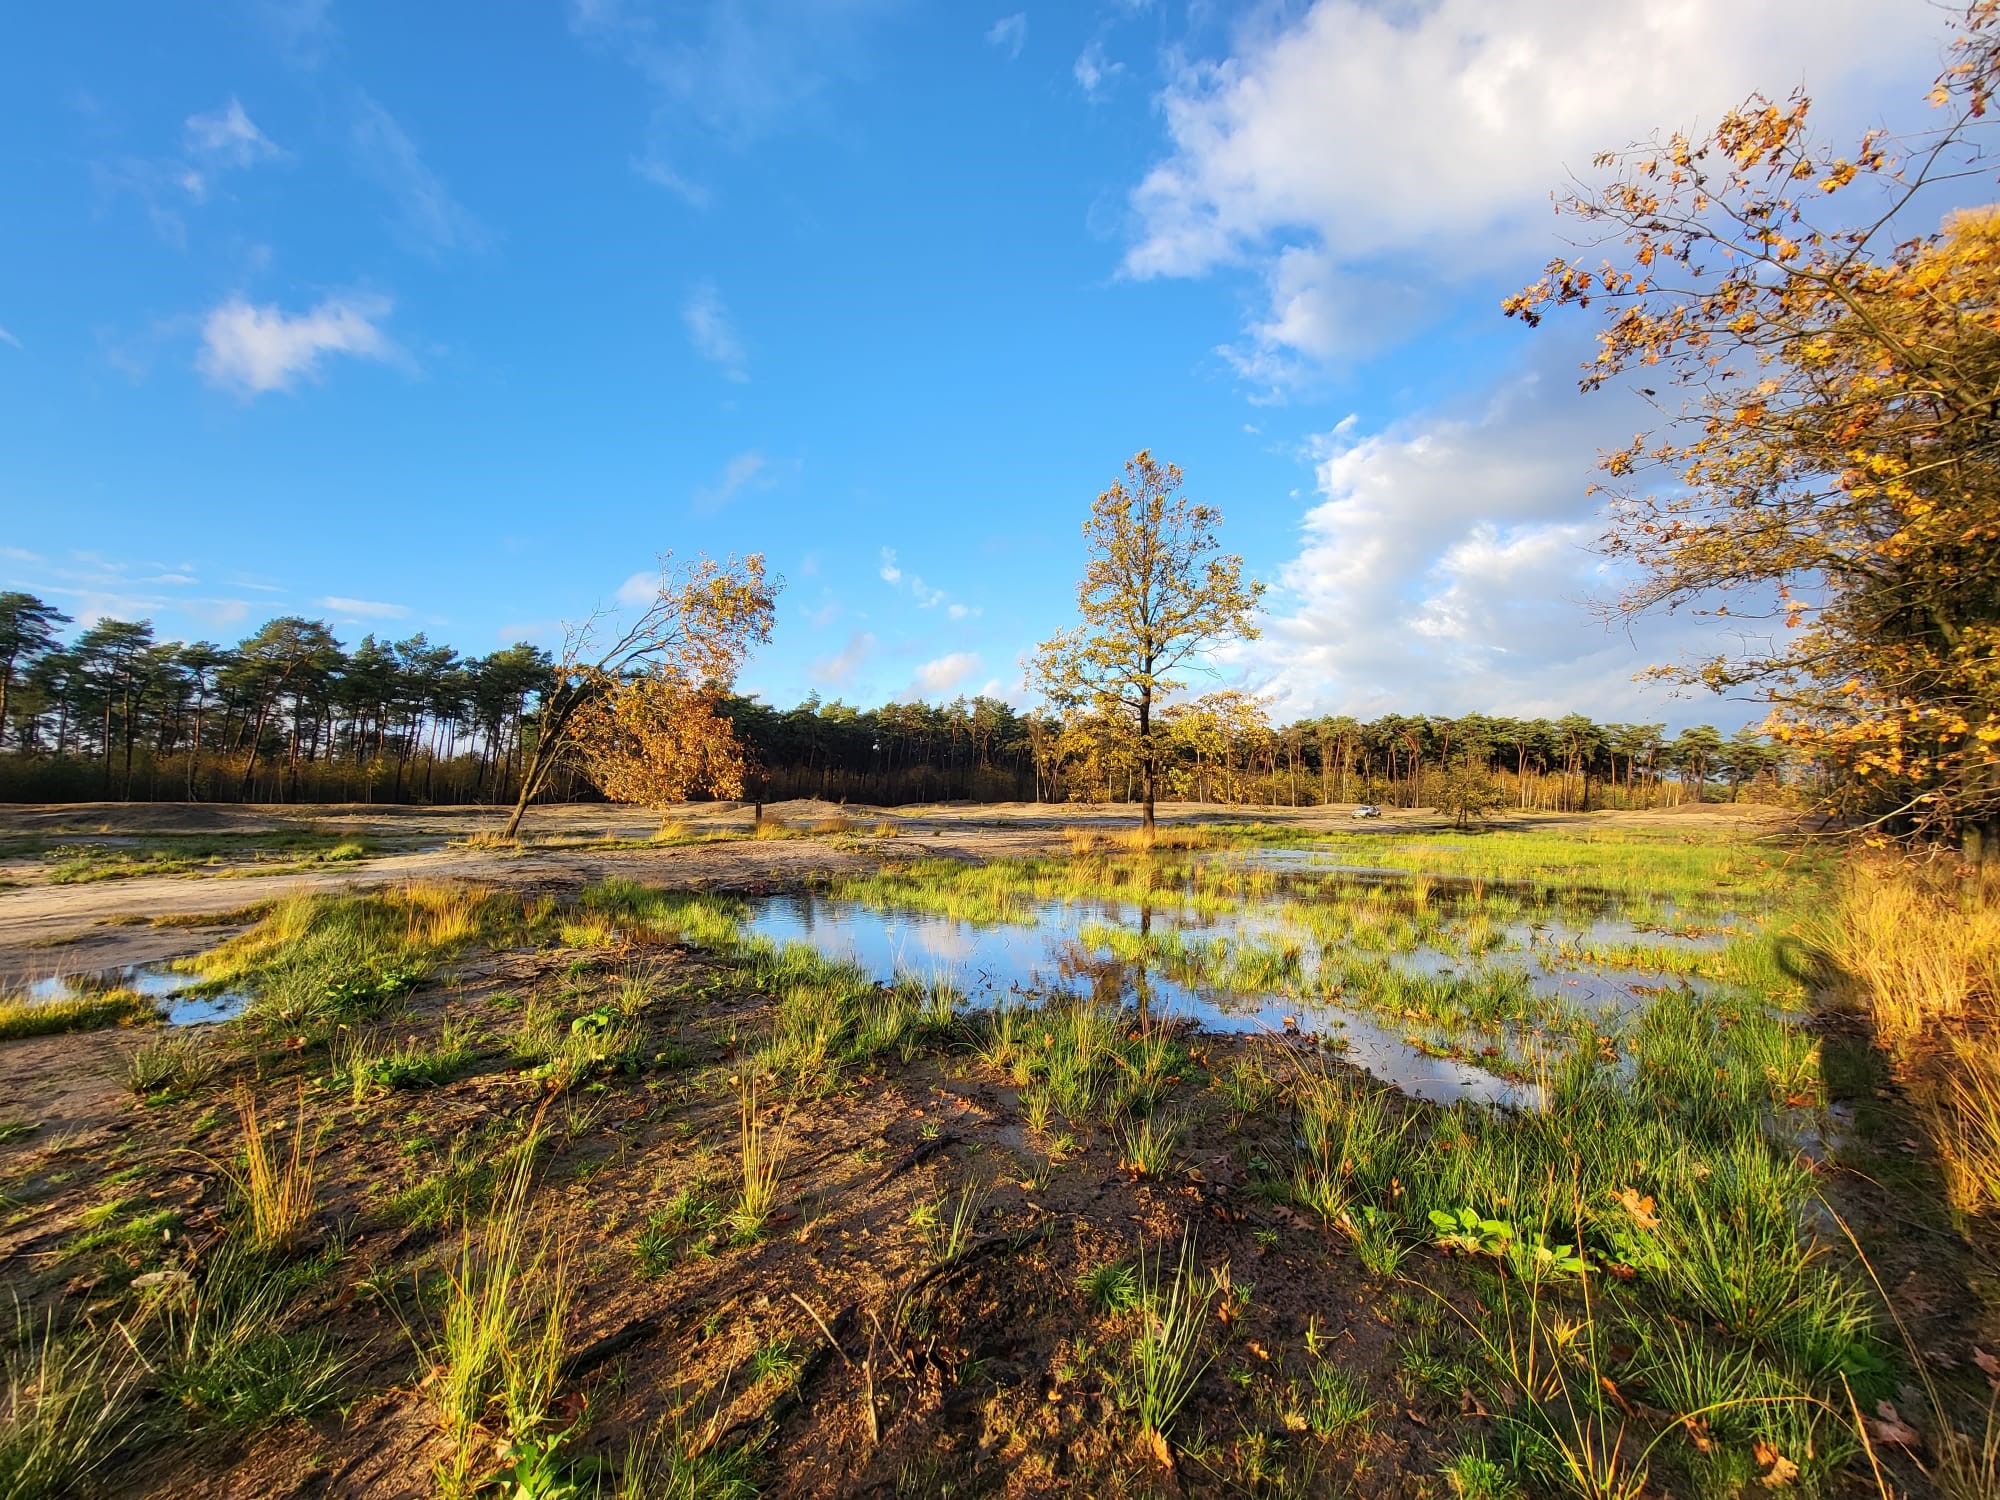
(167,988)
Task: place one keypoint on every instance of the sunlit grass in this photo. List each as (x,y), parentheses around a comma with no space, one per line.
(21,1018)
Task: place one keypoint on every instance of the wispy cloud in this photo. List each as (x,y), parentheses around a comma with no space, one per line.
(840,669)
(226,139)
(713,334)
(91,586)
(8,338)
(746,471)
(367,609)
(1094,70)
(893,573)
(727,72)
(252,349)
(303,29)
(428,217)
(212,146)
(1009,34)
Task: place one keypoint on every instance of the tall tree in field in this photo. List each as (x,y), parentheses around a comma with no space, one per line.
(26,633)
(690,640)
(1834,464)
(1157,595)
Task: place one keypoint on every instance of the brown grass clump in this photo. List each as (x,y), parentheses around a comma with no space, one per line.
(771,828)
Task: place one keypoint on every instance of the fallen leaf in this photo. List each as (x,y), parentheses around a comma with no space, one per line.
(1258,1349)
(1888,1427)
(1988,1365)
(1779,1471)
(1640,1208)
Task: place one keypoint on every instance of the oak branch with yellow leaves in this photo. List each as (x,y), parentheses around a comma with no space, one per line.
(1826,347)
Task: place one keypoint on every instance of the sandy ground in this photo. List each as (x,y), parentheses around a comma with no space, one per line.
(50,929)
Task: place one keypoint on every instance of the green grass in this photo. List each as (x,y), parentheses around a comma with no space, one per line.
(315,961)
(232,1354)
(1169,1354)
(23,1018)
(68,1402)
(170,1066)
(189,854)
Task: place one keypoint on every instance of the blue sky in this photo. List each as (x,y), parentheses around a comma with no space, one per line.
(449,317)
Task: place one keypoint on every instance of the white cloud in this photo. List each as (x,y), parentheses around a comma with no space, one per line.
(749,470)
(712,333)
(936,678)
(94,587)
(728,72)
(661,174)
(1009,34)
(367,609)
(1094,70)
(228,138)
(1355,151)
(428,218)
(253,349)
(640,588)
(1448,567)
(839,669)
(8,338)
(893,573)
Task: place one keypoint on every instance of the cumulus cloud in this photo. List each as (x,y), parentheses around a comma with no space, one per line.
(366,609)
(1448,565)
(1351,152)
(936,678)
(889,572)
(839,669)
(253,348)
(1009,34)
(712,333)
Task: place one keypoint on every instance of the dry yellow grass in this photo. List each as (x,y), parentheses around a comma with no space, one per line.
(1918,951)
(440,913)
(277,1185)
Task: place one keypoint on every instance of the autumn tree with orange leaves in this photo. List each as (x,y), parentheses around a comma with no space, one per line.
(639,708)
(1827,349)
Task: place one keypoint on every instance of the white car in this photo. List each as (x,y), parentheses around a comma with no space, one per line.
(1367,810)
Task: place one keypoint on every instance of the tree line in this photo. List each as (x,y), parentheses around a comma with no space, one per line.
(291,714)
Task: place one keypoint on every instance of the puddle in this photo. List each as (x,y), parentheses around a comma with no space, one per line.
(993,963)
(168,989)
(1300,921)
